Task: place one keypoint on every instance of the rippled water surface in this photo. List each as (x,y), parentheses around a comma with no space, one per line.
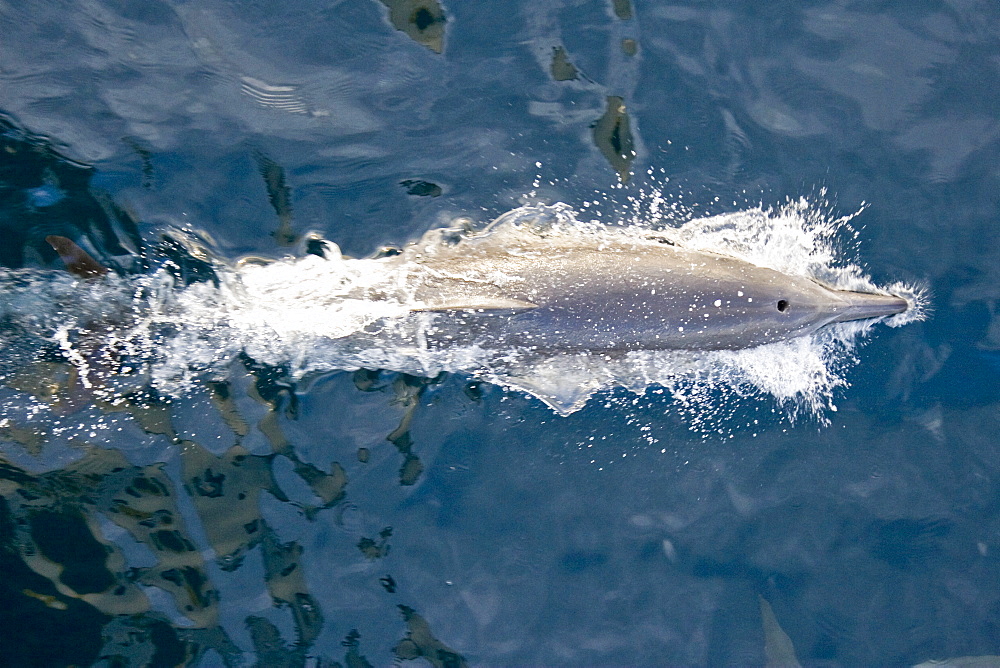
(365,517)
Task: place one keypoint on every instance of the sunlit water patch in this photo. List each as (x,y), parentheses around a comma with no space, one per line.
(323,312)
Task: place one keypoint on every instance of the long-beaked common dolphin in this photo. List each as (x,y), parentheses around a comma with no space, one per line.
(556,292)
(538,301)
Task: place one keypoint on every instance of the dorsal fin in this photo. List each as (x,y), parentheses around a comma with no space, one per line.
(478,304)
(78,261)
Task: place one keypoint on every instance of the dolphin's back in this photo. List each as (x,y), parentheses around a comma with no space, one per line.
(616,298)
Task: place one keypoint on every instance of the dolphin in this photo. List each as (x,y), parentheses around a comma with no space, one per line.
(554,292)
(622,294)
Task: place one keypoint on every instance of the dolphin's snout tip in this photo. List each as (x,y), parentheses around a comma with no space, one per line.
(900,305)
(863,306)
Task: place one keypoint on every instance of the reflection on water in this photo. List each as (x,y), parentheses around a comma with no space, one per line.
(42,192)
(613,136)
(143,546)
(421,20)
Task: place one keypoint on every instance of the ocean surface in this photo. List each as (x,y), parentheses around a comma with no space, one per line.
(285,513)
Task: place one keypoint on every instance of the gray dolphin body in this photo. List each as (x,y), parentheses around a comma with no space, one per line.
(623,296)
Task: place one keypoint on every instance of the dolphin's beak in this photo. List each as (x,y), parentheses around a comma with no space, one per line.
(863,305)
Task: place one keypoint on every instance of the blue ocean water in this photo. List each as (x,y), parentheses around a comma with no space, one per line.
(366,518)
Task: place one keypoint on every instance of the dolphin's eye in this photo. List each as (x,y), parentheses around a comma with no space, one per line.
(782,305)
